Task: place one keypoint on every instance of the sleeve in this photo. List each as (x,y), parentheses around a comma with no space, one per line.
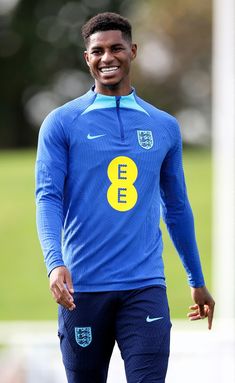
(177,212)
(50,174)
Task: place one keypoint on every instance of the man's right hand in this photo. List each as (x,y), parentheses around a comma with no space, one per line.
(61,287)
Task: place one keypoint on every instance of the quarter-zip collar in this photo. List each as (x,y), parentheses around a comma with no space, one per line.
(101,101)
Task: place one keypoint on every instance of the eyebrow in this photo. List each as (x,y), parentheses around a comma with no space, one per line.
(100,46)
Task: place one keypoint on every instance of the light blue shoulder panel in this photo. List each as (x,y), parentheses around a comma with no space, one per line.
(104,102)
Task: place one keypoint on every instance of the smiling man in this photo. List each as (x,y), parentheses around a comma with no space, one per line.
(109,56)
(106,162)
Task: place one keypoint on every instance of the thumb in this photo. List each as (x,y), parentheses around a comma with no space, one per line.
(68,281)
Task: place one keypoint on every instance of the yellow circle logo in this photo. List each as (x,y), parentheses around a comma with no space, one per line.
(122,172)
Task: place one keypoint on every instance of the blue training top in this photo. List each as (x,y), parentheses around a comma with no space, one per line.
(104,166)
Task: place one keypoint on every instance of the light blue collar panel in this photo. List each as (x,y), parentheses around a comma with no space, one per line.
(104,102)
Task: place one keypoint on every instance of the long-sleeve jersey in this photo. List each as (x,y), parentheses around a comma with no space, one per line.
(105,165)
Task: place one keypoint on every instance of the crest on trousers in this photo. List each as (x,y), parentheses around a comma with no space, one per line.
(83,336)
(145,138)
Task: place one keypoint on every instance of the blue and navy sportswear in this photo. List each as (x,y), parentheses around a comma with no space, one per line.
(105,165)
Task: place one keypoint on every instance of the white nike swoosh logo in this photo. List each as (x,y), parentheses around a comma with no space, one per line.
(152,319)
(93,137)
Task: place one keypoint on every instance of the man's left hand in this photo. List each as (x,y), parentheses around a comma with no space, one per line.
(204,305)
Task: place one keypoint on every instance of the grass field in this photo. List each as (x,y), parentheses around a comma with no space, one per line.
(24,285)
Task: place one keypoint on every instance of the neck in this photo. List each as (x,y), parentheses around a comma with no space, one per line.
(113,90)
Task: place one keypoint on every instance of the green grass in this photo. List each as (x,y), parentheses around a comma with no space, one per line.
(24,284)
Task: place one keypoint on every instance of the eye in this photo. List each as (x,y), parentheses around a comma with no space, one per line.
(117,48)
(96,52)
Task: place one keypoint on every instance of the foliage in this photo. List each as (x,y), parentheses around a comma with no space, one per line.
(174,66)
(42,62)
(39,40)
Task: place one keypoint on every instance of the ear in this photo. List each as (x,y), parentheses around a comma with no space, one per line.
(133,51)
(86,57)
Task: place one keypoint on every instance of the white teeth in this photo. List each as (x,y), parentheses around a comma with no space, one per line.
(109,69)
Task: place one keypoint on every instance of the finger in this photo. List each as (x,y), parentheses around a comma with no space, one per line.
(201,311)
(71,306)
(191,315)
(194,317)
(64,291)
(194,307)
(67,300)
(55,291)
(63,297)
(68,305)
(58,297)
(69,283)
(210,317)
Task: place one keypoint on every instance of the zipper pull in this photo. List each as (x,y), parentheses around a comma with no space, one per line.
(118,98)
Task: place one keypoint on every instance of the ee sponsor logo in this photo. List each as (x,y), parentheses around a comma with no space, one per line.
(122,194)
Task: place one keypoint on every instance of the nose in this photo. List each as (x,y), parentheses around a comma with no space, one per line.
(107,57)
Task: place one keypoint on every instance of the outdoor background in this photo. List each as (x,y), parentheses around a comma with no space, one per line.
(41,67)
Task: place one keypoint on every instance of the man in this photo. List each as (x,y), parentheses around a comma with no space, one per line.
(105,163)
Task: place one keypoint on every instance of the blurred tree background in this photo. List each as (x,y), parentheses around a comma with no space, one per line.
(42,66)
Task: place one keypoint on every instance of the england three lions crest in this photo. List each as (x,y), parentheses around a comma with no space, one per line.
(83,336)
(145,138)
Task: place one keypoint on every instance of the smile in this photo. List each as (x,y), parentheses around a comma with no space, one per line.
(109,69)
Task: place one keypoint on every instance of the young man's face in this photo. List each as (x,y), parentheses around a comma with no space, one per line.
(109,57)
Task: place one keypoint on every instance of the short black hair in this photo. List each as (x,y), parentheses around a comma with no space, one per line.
(107,21)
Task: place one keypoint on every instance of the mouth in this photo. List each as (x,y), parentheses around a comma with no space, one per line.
(110,69)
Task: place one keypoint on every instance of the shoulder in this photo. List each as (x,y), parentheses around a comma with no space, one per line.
(155,112)
(167,121)
(59,119)
(73,109)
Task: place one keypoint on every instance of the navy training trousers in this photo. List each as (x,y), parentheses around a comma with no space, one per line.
(137,319)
